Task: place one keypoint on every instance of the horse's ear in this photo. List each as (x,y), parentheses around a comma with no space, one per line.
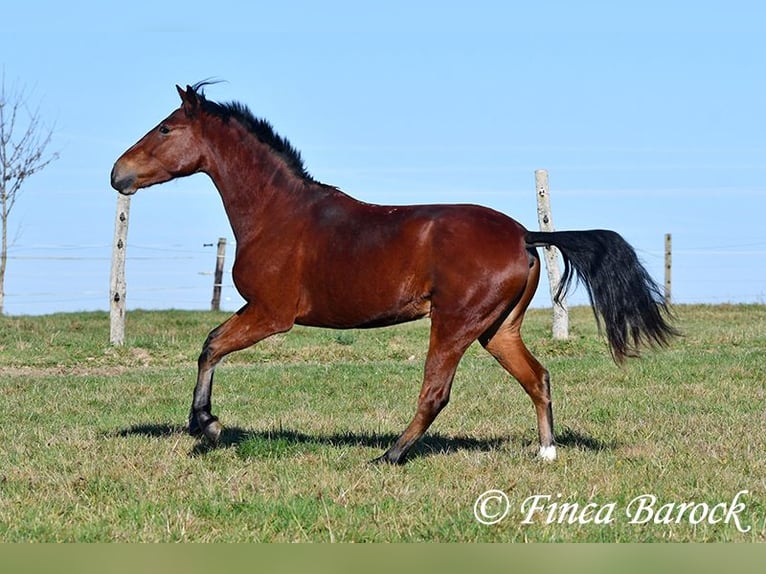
(189,98)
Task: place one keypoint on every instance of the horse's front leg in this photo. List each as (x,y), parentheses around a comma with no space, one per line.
(240,331)
(201,419)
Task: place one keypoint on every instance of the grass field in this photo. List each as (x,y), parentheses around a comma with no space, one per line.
(92,446)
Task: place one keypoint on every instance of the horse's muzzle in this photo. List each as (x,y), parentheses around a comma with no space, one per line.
(124,183)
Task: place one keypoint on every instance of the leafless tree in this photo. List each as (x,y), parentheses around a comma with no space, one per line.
(24,140)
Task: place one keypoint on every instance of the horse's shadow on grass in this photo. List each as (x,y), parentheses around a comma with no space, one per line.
(295,441)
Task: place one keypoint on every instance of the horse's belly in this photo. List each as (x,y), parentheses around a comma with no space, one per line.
(350,310)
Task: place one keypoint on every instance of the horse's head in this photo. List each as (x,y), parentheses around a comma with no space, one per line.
(168,151)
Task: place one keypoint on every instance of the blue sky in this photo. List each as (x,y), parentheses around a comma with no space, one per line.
(649,117)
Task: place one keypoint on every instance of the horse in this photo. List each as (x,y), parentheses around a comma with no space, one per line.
(309,254)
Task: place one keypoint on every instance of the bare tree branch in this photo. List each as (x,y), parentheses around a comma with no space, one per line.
(24,141)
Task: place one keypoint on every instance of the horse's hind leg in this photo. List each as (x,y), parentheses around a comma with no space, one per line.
(509,350)
(444,353)
(505,344)
(240,331)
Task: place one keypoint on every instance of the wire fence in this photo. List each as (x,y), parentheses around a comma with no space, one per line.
(44,279)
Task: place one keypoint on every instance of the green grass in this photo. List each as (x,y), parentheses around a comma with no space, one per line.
(92,446)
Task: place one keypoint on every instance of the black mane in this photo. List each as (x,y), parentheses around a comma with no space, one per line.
(259,127)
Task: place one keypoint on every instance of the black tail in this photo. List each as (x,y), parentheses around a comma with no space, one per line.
(621,291)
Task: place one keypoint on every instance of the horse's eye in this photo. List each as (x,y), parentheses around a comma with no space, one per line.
(164,130)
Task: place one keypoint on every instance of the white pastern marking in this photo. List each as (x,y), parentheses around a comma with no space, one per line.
(547,453)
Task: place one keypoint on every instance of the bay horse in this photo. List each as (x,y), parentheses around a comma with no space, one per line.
(308,254)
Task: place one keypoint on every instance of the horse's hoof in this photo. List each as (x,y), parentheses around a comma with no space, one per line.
(213,431)
(193,429)
(386,458)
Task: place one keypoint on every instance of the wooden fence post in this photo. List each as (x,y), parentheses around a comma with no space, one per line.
(215,304)
(117,283)
(668,265)
(545,219)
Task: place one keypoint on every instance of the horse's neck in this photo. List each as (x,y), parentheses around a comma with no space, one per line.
(254,184)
